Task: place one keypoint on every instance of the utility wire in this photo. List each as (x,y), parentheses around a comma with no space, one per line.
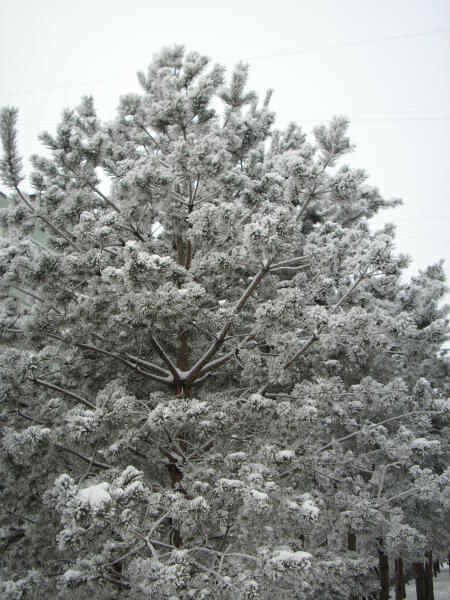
(348,44)
(421,218)
(415,237)
(66,85)
(375,112)
(258,57)
(375,120)
(301,120)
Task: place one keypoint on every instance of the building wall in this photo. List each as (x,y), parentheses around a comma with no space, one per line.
(38,234)
(3,204)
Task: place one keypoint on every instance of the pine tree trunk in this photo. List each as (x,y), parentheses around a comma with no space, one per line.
(351,545)
(429,587)
(400,591)
(176,475)
(419,574)
(116,571)
(436,567)
(383,563)
(351,541)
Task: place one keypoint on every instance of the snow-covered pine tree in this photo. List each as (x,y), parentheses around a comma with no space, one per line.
(219,385)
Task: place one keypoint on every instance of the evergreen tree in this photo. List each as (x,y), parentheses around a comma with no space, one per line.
(219,385)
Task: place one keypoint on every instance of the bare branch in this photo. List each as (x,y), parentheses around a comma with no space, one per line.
(306,346)
(179,197)
(99,193)
(149,135)
(149,365)
(217,344)
(157,346)
(375,425)
(287,263)
(218,362)
(206,198)
(168,380)
(289,269)
(401,495)
(56,388)
(87,459)
(14,514)
(305,206)
(353,287)
(36,297)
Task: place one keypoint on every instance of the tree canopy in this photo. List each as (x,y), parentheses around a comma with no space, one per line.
(216,382)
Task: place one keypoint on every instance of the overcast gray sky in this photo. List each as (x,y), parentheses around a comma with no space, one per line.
(383,63)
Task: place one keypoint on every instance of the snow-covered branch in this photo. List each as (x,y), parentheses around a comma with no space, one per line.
(168,380)
(196,369)
(60,390)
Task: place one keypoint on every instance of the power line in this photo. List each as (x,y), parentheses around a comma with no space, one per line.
(66,85)
(375,120)
(258,57)
(421,218)
(348,44)
(376,112)
(415,237)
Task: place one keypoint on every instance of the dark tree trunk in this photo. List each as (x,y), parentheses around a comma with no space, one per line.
(429,590)
(116,571)
(175,477)
(383,563)
(419,574)
(400,591)
(183,355)
(436,567)
(351,545)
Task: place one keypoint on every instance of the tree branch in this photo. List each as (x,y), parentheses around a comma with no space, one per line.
(375,425)
(151,137)
(220,338)
(287,263)
(405,493)
(56,388)
(168,380)
(149,365)
(306,346)
(315,336)
(86,459)
(36,297)
(218,362)
(105,198)
(46,221)
(157,346)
